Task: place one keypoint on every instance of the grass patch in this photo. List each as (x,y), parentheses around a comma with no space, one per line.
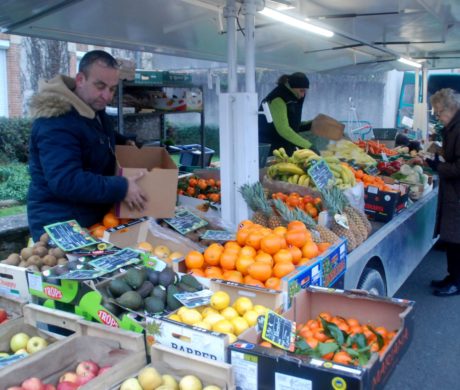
(14,210)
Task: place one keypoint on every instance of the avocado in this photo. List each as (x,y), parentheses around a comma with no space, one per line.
(118,287)
(185,287)
(159,292)
(131,299)
(172,302)
(135,277)
(167,277)
(191,281)
(153,305)
(145,289)
(153,276)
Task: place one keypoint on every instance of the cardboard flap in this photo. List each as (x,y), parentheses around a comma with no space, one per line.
(327,127)
(146,157)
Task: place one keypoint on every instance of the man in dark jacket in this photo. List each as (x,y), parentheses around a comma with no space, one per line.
(72,143)
(285,103)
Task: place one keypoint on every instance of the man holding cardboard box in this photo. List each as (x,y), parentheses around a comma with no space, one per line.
(71,149)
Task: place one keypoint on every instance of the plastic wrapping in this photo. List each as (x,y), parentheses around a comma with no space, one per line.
(355,196)
(170,235)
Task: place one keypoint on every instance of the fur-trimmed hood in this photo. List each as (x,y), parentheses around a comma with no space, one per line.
(56,97)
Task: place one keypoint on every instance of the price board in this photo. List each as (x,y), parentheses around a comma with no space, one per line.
(218,235)
(112,262)
(321,174)
(279,331)
(371,170)
(194,299)
(69,235)
(80,274)
(185,222)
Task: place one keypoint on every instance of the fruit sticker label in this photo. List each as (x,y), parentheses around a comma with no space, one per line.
(218,235)
(69,235)
(321,174)
(11,359)
(279,331)
(185,222)
(194,299)
(112,262)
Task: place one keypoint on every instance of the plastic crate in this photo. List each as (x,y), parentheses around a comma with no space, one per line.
(264,150)
(190,155)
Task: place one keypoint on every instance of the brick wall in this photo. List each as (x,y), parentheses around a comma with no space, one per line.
(14,79)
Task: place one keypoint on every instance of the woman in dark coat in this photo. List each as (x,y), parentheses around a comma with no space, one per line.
(446,106)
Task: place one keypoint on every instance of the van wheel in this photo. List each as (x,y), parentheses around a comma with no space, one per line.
(372,282)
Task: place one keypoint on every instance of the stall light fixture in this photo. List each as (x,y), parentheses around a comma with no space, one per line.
(410,62)
(295,22)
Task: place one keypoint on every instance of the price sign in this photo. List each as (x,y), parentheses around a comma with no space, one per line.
(279,331)
(321,174)
(112,262)
(69,235)
(185,222)
(371,170)
(80,274)
(218,235)
(194,299)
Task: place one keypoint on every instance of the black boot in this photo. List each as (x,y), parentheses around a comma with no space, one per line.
(448,291)
(442,282)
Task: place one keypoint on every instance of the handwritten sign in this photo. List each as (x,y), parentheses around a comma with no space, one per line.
(80,274)
(112,262)
(371,170)
(185,222)
(194,299)
(279,331)
(321,174)
(69,235)
(218,235)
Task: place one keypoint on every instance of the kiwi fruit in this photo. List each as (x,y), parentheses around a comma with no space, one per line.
(34,260)
(26,253)
(22,264)
(40,250)
(49,260)
(45,267)
(57,252)
(62,260)
(44,238)
(12,259)
(33,267)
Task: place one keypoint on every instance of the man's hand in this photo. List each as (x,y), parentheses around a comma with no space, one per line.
(135,197)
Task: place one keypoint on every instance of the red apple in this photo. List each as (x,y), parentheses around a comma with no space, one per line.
(69,377)
(104,369)
(87,366)
(3,315)
(33,384)
(67,386)
(82,379)
(49,386)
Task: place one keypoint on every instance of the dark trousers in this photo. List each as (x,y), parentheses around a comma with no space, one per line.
(453,260)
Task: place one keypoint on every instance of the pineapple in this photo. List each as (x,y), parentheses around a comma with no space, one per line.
(354,218)
(333,199)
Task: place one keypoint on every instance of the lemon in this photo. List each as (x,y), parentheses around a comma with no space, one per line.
(239,325)
(202,324)
(242,305)
(182,310)
(208,310)
(175,317)
(223,326)
(212,318)
(232,338)
(220,300)
(251,317)
(229,313)
(261,310)
(191,316)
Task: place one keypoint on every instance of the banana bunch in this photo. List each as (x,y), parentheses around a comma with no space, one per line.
(280,155)
(288,172)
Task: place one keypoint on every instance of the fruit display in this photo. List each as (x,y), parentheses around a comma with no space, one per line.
(149,291)
(150,379)
(196,187)
(110,220)
(341,340)
(39,257)
(311,205)
(222,315)
(294,169)
(162,252)
(347,150)
(375,147)
(23,343)
(371,180)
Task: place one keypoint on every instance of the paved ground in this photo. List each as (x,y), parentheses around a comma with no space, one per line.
(432,360)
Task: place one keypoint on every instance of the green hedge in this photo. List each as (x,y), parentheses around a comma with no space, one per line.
(184,135)
(14,182)
(14,139)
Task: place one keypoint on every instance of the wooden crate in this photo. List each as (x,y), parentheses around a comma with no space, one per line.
(12,306)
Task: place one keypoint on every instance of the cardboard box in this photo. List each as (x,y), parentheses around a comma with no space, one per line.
(273,368)
(161,77)
(159,181)
(124,351)
(13,282)
(12,306)
(381,205)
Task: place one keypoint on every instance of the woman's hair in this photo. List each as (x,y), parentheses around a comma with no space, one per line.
(295,80)
(447,98)
(283,79)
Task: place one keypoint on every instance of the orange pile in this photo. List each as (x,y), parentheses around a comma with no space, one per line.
(370,180)
(307,203)
(260,256)
(206,189)
(110,220)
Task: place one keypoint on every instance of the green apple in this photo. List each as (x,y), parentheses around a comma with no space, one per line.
(131,384)
(36,344)
(4,354)
(19,341)
(21,351)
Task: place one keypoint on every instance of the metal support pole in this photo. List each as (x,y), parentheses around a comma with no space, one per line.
(230,14)
(121,122)
(249,10)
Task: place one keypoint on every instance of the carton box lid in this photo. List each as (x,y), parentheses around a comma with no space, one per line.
(146,157)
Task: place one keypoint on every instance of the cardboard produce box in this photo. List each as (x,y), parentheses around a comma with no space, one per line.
(274,368)
(382,206)
(159,181)
(13,308)
(13,282)
(123,350)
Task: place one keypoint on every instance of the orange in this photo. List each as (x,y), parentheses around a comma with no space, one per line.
(244,224)
(293,225)
(305,332)
(325,315)
(271,243)
(254,282)
(242,235)
(353,322)
(265,344)
(310,250)
(296,254)
(296,237)
(98,232)
(194,259)
(260,271)
(248,251)
(282,269)
(212,254)
(196,272)
(254,239)
(228,260)
(342,357)
(323,246)
(280,231)
(264,258)
(320,335)
(213,272)
(283,255)
(92,227)
(110,220)
(312,342)
(232,246)
(242,263)
(273,283)
(303,261)
(233,276)
(145,246)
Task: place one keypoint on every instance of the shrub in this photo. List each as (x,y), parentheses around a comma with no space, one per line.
(14,182)
(183,135)
(14,139)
